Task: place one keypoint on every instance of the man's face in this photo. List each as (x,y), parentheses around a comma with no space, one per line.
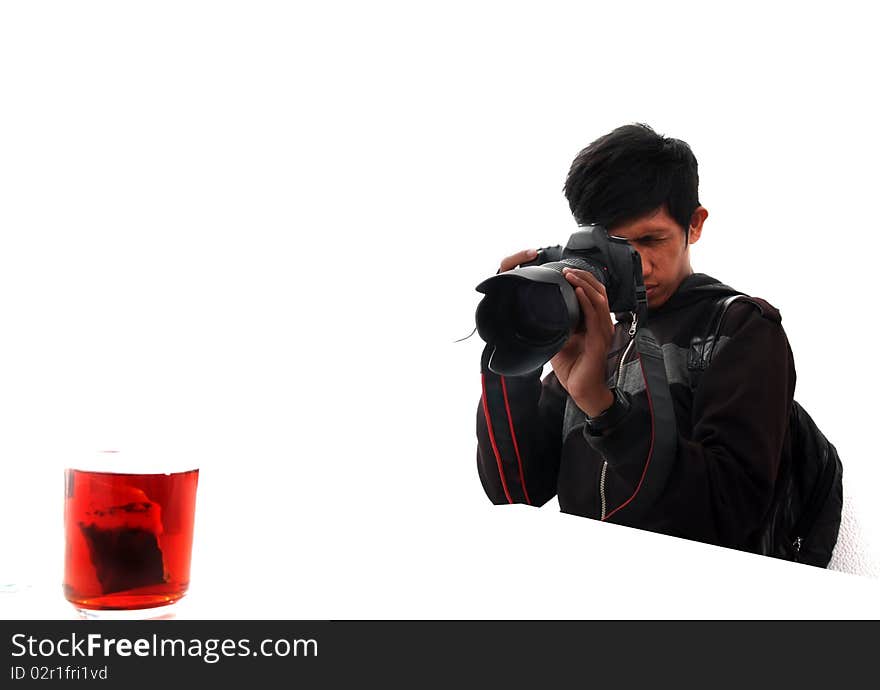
(660,242)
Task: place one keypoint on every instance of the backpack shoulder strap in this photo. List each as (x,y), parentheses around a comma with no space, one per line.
(704,343)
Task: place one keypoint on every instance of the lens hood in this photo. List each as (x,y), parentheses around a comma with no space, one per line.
(513,354)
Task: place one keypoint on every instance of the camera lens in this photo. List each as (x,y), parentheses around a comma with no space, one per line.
(538,316)
(528,313)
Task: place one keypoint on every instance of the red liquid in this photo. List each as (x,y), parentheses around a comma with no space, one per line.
(128,538)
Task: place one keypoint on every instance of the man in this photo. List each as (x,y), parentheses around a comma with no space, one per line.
(585,433)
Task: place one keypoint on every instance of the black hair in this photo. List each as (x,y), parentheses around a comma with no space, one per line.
(629,172)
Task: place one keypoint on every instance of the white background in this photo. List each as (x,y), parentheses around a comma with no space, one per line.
(249,233)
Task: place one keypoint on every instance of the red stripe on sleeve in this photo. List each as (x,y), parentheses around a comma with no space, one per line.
(522,478)
(492,439)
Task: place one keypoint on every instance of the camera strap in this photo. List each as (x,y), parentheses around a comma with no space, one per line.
(664,431)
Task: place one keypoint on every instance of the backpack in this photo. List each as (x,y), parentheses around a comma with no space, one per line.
(804,517)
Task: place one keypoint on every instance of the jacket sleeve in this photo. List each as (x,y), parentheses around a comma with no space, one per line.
(721,482)
(519,436)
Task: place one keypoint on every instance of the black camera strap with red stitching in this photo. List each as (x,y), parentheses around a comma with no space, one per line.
(664,431)
(664,434)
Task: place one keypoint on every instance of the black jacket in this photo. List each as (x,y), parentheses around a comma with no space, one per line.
(731,427)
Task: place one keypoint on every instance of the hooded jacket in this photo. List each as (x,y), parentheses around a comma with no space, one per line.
(732,420)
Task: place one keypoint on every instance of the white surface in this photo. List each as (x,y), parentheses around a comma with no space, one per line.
(514,564)
(856,550)
(250,232)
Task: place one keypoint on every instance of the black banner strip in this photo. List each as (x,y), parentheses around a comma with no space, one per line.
(416,653)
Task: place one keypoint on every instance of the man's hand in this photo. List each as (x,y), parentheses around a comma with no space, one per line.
(515,260)
(580,364)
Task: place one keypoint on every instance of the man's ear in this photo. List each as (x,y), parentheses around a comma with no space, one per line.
(698,217)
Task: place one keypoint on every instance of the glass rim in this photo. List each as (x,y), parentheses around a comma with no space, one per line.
(157,473)
(137,461)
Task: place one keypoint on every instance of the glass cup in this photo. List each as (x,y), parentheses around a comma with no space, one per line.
(128,536)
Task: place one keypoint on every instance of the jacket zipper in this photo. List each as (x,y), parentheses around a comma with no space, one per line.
(632,339)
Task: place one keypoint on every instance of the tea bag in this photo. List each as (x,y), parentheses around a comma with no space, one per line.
(122,528)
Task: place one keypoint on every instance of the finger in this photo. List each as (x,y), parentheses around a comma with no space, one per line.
(515,260)
(597,318)
(586,276)
(561,373)
(596,311)
(563,360)
(587,307)
(595,290)
(571,346)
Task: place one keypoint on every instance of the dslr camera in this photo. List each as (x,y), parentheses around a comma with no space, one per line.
(527,314)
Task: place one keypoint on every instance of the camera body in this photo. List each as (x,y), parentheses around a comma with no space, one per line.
(529,312)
